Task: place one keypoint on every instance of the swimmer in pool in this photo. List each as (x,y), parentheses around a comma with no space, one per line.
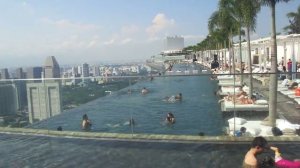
(86,123)
(170,118)
(178,97)
(173,98)
(144,91)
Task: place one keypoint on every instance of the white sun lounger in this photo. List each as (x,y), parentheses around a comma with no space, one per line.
(230,83)
(297,100)
(229,106)
(287,92)
(225,90)
(255,128)
(225,77)
(293,96)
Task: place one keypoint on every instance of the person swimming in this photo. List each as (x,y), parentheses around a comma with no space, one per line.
(144,91)
(86,123)
(170,118)
(178,97)
(173,98)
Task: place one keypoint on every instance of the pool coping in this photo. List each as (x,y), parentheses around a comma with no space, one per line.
(144,137)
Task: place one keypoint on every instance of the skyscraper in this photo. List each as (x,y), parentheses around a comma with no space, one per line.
(44,100)
(51,68)
(34,73)
(19,74)
(4,73)
(75,71)
(85,70)
(8,99)
(96,71)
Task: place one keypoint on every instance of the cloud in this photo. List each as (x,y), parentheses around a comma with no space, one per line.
(66,24)
(159,24)
(125,41)
(109,42)
(125,35)
(129,30)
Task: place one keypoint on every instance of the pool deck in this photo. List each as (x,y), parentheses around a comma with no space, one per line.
(286,107)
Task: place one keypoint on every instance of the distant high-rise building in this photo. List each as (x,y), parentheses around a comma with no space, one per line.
(34,72)
(96,71)
(79,70)
(8,99)
(44,100)
(51,68)
(74,71)
(4,73)
(174,43)
(85,70)
(19,74)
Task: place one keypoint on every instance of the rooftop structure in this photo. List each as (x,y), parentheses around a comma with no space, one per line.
(44,100)
(174,43)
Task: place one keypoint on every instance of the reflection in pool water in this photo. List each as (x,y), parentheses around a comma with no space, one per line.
(39,151)
(198,111)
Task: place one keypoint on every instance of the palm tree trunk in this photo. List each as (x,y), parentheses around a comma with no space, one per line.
(249,62)
(230,54)
(273,75)
(240,48)
(225,61)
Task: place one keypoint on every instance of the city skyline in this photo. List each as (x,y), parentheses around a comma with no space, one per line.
(107,31)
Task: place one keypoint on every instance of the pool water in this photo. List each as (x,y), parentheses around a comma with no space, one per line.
(198,111)
(40,151)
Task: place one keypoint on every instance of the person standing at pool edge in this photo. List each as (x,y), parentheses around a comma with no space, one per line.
(259,144)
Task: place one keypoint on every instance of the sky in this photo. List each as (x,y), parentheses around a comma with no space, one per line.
(107,31)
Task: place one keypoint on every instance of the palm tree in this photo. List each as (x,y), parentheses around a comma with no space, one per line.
(273,75)
(250,9)
(224,21)
(294,27)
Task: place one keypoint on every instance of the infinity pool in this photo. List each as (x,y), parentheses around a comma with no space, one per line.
(41,151)
(199,110)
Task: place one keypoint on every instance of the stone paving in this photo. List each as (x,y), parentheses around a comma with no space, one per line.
(286,107)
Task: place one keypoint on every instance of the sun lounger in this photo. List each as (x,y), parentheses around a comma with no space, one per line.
(293,96)
(229,83)
(229,106)
(231,90)
(256,128)
(297,100)
(287,92)
(225,77)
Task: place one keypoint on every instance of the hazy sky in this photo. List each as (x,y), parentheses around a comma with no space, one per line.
(95,31)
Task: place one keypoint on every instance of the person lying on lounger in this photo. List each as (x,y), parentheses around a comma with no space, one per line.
(246,100)
(240,94)
(293,85)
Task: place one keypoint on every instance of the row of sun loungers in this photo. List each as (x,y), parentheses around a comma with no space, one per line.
(283,89)
(229,87)
(257,128)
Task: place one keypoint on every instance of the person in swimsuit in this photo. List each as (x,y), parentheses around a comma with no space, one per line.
(144,91)
(178,97)
(170,118)
(259,144)
(279,162)
(86,123)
